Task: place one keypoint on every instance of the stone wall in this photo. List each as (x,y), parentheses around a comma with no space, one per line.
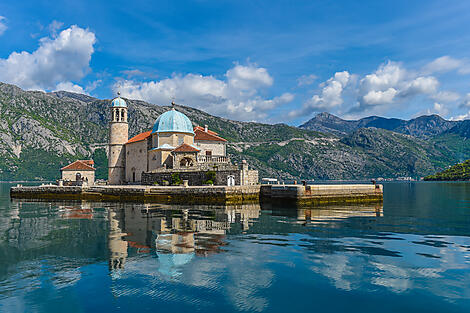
(216,147)
(194,177)
(136,160)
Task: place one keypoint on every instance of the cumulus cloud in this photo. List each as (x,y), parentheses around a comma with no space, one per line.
(392,83)
(3,26)
(236,96)
(329,97)
(69,86)
(248,78)
(306,80)
(58,60)
(388,87)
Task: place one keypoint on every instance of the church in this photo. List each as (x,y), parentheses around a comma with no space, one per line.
(172,152)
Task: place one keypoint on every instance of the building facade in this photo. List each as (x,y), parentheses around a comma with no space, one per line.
(172,147)
(79,172)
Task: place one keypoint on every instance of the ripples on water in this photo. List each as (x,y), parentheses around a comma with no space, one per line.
(412,253)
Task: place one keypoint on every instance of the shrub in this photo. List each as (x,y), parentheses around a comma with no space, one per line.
(210,177)
(176,179)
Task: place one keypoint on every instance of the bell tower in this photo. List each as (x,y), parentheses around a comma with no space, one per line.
(118,136)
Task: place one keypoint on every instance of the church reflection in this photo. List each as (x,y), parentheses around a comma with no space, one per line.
(175,233)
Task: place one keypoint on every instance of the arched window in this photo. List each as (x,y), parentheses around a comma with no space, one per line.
(186,162)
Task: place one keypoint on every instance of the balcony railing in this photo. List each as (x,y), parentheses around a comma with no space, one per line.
(213,159)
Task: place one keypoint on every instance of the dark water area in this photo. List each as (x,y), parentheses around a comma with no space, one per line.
(411,254)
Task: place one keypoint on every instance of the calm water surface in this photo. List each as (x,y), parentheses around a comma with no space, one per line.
(410,255)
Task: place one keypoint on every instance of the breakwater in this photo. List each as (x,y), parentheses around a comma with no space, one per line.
(302,195)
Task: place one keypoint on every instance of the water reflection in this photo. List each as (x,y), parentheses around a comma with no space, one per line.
(174,233)
(241,258)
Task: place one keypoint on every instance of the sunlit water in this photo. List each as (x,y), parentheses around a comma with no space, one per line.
(410,255)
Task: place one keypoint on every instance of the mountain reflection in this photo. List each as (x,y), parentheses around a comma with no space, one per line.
(235,252)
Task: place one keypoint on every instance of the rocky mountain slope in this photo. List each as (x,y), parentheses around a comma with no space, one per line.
(41,132)
(424,126)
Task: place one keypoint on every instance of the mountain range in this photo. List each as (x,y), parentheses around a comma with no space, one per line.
(425,126)
(41,132)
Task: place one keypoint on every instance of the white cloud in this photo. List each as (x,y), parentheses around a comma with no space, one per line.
(377,97)
(306,80)
(3,26)
(438,108)
(462,117)
(329,97)
(466,101)
(442,64)
(237,96)
(391,84)
(446,96)
(248,77)
(69,86)
(54,27)
(446,64)
(59,60)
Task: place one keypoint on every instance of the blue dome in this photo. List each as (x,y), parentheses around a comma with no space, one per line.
(119,102)
(173,122)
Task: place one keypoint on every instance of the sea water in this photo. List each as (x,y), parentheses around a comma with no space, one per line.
(409,254)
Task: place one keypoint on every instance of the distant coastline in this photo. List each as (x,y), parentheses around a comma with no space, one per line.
(458,172)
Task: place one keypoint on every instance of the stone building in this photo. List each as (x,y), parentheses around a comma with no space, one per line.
(172,151)
(78,173)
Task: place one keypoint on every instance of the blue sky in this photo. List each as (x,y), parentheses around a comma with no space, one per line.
(269,61)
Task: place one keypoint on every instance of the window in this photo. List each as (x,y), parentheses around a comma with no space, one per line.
(208,152)
(180,140)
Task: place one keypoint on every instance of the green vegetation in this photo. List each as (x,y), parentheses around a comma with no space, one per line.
(101,163)
(459,171)
(176,179)
(210,178)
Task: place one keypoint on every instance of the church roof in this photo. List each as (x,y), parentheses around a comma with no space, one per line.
(119,102)
(173,121)
(209,135)
(186,148)
(80,165)
(140,137)
(202,129)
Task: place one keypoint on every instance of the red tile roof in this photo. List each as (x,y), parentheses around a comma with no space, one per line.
(140,137)
(202,135)
(79,165)
(88,162)
(185,148)
(202,129)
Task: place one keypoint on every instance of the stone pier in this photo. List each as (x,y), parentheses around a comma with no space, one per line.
(309,195)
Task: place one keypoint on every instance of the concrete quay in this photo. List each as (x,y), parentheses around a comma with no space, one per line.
(309,195)
(314,195)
